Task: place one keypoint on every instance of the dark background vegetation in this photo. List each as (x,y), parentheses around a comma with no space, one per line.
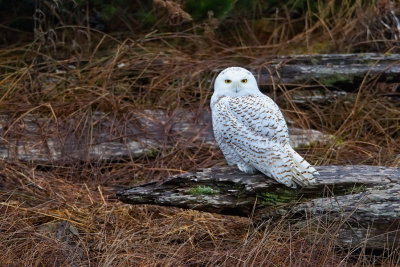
(62,60)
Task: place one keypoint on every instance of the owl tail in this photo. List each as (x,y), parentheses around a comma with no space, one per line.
(303,172)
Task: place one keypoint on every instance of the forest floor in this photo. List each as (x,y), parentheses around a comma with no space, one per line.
(66,214)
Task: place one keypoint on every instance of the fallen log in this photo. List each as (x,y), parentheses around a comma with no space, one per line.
(363,200)
(339,70)
(109,138)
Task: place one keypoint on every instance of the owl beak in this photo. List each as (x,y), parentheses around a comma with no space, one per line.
(237,87)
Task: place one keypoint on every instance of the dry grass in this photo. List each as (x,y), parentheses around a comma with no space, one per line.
(67,214)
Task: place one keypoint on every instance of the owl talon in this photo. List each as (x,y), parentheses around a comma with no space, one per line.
(247,168)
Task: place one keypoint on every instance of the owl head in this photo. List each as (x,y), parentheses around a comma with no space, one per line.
(235,81)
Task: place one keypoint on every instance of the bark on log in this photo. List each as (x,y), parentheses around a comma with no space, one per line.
(328,69)
(363,200)
(107,138)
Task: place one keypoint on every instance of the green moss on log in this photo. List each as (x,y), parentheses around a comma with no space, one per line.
(355,189)
(279,197)
(203,190)
(337,78)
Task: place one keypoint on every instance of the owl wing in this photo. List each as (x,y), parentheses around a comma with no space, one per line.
(262,116)
(266,148)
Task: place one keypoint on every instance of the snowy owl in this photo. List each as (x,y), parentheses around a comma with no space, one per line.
(251,131)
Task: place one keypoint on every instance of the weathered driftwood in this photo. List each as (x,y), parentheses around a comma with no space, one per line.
(321,96)
(328,69)
(364,201)
(103,137)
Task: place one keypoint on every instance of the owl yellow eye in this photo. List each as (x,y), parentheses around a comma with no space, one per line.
(244,81)
(228,81)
